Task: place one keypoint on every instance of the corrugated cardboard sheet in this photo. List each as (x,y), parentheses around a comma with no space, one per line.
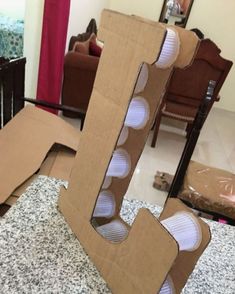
(141,262)
(24,144)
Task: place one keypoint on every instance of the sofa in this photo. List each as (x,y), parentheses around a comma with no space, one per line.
(80,66)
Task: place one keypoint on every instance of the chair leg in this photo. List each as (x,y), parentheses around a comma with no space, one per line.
(156,130)
(188,129)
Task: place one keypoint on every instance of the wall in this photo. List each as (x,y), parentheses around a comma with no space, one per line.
(81,13)
(149,8)
(213,17)
(13,8)
(32,40)
(216,19)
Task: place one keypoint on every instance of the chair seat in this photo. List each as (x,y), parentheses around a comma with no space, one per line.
(209,189)
(179,111)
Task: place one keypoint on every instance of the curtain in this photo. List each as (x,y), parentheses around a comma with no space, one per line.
(54,33)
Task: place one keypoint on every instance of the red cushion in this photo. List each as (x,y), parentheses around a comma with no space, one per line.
(94,49)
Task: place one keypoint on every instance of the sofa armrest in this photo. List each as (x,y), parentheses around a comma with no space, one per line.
(82,61)
(79,38)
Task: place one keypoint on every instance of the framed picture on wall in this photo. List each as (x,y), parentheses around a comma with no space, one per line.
(176,12)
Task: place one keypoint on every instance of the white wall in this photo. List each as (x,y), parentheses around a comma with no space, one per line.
(149,8)
(214,17)
(81,12)
(32,41)
(216,20)
(13,8)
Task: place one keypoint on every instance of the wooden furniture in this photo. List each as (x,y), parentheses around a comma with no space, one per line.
(79,76)
(192,141)
(12,100)
(79,72)
(12,76)
(187,87)
(214,205)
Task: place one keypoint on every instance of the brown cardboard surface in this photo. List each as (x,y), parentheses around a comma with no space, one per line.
(186,261)
(11,200)
(140,263)
(21,189)
(58,163)
(47,164)
(24,143)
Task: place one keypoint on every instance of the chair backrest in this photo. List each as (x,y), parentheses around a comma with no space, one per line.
(12,78)
(188,86)
(192,141)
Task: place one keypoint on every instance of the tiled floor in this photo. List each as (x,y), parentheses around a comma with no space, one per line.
(215,147)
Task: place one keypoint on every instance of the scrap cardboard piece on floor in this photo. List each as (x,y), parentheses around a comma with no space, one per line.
(58,164)
(140,263)
(25,142)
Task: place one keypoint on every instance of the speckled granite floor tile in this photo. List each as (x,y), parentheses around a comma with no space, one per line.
(40,254)
(38,251)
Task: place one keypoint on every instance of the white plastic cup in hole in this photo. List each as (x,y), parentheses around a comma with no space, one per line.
(142,79)
(115,231)
(105,205)
(107,182)
(119,165)
(138,113)
(186,230)
(167,287)
(123,136)
(170,50)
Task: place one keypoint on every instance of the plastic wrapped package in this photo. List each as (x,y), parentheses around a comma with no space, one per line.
(209,188)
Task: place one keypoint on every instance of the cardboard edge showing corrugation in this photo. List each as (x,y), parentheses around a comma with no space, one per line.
(122,265)
(186,261)
(25,142)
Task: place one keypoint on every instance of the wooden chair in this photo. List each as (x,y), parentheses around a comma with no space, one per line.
(187,87)
(12,100)
(214,205)
(12,76)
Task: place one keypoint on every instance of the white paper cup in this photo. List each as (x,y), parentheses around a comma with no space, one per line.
(115,231)
(119,165)
(123,136)
(105,205)
(167,287)
(107,182)
(186,230)
(170,50)
(142,79)
(137,114)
